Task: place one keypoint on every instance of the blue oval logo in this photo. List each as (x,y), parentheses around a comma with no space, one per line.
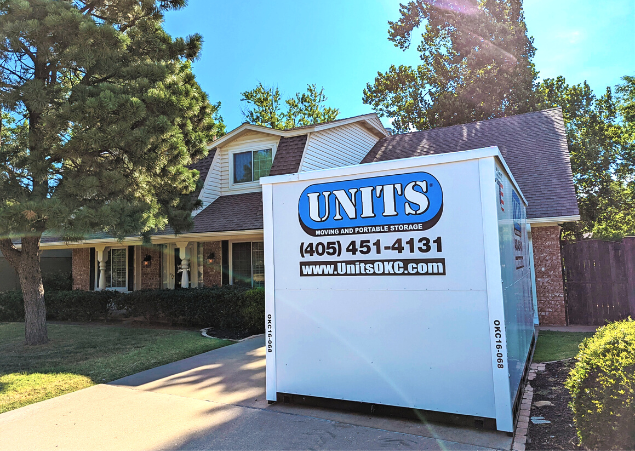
(390,203)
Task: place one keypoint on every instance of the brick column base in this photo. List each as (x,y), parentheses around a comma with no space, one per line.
(151,277)
(81,269)
(212,273)
(548,268)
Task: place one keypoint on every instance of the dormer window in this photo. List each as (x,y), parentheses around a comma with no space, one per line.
(250,166)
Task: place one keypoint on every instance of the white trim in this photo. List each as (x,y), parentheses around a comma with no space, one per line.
(248,148)
(495,302)
(552,221)
(235,133)
(109,262)
(270,314)
(156,239)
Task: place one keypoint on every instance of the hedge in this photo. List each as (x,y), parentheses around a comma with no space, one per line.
(602,387)
(61,305)
(226,307)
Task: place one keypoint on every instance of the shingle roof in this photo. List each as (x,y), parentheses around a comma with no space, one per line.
(534,146)
(202,166)
(289,155)
(227,213)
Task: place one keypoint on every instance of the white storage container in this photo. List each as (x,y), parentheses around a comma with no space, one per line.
(402,283)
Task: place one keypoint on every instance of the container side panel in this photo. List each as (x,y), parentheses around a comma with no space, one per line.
(515,277)
(422,352)
(398,316)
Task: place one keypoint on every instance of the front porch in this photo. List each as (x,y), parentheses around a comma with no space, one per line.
(169,264)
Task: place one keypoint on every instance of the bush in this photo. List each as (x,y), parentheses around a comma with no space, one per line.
(602,385)
(224,307)
(57,281)
(11,306)
(78,305)
(61,305)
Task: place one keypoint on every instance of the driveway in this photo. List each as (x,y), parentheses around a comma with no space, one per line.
(211,401)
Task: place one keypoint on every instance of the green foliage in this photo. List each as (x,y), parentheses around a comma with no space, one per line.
(107,114)
(476,64)
(80,305)
(602,155)
(221,307)
(304,109)
(253,310)
(11,306)
(62,305)
(57,281)
(226,307)
(602,386)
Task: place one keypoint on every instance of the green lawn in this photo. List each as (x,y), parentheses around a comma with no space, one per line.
(558,345)
(80,356)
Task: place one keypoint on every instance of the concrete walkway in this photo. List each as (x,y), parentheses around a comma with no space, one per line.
(214,401)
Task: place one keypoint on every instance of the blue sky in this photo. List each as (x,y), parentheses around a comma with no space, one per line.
(341,44)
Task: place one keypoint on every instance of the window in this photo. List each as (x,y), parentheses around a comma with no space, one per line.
(117,268)
(250,166)
(248,264)
(258,263)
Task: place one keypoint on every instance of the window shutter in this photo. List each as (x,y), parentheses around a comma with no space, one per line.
(130,268)
(224,262)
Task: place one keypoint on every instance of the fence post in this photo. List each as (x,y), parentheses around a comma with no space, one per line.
(629,259)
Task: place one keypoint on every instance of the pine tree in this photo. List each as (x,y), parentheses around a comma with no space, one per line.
(102,114)
(306,108)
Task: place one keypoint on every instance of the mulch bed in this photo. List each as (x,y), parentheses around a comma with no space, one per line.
(560,433)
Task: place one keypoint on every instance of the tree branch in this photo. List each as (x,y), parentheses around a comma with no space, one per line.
(10,252)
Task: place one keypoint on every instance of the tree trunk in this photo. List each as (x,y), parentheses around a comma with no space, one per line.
(27,262)
(33,292)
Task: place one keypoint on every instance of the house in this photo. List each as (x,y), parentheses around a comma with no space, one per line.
(225,245)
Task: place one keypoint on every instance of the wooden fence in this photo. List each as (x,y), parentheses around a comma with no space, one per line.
(599,278)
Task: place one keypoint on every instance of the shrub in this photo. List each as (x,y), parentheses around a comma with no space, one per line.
(602,387)
(220,307)
(11,306)
(78,305)
(253,311)
(226,307)
(61,305)
(57,281)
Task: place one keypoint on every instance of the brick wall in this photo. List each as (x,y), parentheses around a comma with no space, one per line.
(548,267)
(151,277)
(212,273)
(81,269)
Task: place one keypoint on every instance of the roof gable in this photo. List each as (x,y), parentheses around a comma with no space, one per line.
(370,121)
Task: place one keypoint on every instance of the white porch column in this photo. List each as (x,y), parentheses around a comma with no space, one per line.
(185,263)
(102,258)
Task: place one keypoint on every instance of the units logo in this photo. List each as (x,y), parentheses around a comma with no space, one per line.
(391,203)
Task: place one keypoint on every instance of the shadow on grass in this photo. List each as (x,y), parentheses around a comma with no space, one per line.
(99,353)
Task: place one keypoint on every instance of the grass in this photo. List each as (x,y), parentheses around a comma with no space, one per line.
(77,357)
(558,345)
